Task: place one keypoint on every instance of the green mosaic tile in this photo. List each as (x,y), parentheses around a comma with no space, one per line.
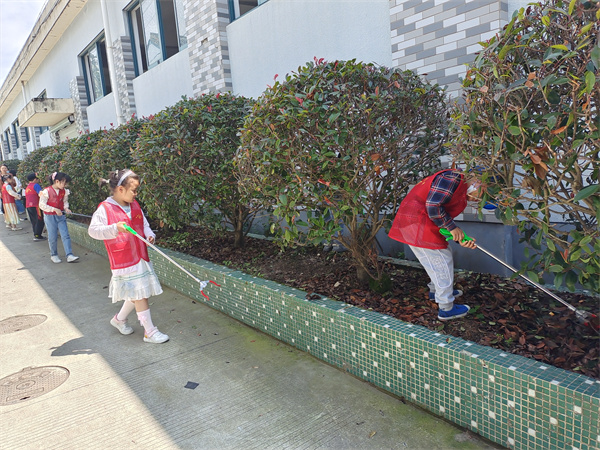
(511,400)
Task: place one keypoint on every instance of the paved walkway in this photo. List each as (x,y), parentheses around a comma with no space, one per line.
(121,393)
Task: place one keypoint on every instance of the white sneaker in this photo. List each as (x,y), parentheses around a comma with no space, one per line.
(122,326)
(55,259)
(72,258)
(156,338)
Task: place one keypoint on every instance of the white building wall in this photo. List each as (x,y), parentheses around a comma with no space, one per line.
(102,113)
(281,35)
(163,85)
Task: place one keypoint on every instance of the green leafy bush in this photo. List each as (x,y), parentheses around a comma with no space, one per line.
(530,119)
(341,141)
(31,164)
(51,161)
(186,153)
(85,194)
(115,148)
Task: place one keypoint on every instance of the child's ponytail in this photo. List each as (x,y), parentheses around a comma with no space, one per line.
(58,176)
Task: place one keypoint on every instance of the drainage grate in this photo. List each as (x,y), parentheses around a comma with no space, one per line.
(18,323)
(31,382)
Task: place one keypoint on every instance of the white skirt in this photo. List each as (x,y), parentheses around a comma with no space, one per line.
(11,214)
(139,282)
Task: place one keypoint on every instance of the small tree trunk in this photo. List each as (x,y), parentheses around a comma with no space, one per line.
(238,233)
(363,275)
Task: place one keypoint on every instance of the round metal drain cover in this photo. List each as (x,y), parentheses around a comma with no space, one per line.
(18,323)
(31,382)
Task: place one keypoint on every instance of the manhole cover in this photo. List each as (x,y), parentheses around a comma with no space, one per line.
(31,382)
(18,323)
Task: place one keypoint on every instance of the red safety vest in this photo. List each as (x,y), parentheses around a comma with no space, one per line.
(55,200)
(125,250)
(6,197)
(412,224)
(32,199)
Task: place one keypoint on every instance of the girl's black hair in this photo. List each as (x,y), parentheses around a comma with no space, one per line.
(58,176)
(115,176)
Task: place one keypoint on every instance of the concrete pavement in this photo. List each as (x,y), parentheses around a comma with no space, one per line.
(121,393)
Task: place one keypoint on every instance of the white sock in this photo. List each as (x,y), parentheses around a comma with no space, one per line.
(126,309)
(146,322)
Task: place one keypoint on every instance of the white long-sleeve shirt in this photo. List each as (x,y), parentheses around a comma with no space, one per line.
(19,186)
(43,204)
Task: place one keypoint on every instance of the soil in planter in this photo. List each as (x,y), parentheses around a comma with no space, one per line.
(507,314)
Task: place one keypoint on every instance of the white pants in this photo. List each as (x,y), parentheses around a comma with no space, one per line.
(439,265)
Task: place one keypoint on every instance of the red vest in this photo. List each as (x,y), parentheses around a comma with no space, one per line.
(412,224)
(125,250)
(6,197)
(55,200)
(32,198)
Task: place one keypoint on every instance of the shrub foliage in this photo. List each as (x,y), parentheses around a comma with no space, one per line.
(531,120)
(341,142)
(186,155)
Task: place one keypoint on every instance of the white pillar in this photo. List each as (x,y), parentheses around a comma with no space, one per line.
(111,63)
(31,129)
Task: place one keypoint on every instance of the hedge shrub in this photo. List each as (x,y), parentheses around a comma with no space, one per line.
(530,119)
(186,153)
(341,141)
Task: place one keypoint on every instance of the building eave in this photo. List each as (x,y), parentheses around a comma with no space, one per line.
(52,22)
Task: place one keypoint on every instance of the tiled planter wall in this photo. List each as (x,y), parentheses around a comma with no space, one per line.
(514,401)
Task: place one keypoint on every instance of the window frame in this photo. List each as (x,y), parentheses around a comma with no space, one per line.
(14,127)
(7,139)
(137,33)
(105,82)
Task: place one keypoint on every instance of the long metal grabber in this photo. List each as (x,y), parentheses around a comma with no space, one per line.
(583,316)
(203,284)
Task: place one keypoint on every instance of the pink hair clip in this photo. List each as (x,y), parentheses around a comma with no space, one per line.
(53,175)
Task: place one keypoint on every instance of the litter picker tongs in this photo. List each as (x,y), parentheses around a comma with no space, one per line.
(584,317)
(203,284)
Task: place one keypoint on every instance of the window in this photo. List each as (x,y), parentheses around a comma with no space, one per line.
(238,8)
(95,70)
(157,29)
(7,140)
(15,132)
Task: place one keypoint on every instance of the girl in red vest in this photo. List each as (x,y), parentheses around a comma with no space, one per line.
(11,214)
(54,201)
(133,278)
(32,200)
(433,204)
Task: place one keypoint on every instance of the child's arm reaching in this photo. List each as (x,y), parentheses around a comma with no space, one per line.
(148,231)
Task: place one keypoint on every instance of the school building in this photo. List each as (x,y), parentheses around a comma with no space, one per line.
(90,64)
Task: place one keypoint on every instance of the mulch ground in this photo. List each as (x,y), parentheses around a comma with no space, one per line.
(507,314)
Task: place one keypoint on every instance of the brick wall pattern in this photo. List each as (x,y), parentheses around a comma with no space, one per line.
(80,102)
(125,72)
(436,38)
(207,42)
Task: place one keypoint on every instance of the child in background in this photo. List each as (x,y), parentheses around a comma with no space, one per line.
(53,201)
(11,215)
(3,171)
(133,279)
(32,200)
(19,190)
